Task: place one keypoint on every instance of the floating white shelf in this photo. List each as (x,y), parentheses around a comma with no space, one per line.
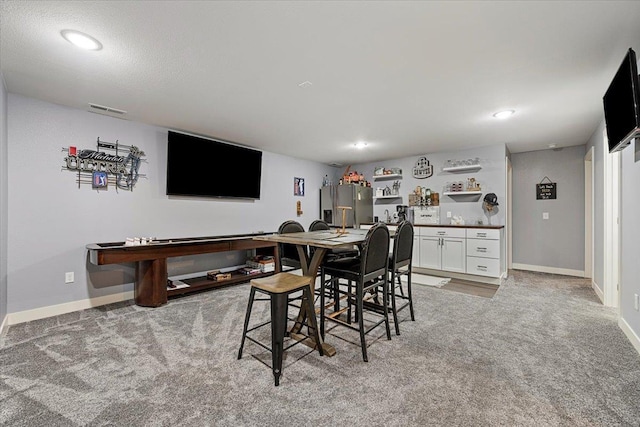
(388,176)
(388,197)
(462,193)
(467,168)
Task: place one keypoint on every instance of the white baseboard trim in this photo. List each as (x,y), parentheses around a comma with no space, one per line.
(633,337)
(4,325)
(597,290)
(68,307)
(552,270)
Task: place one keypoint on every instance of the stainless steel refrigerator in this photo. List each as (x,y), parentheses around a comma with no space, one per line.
(357,197)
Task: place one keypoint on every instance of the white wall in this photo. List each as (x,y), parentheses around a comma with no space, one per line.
(630,238)
(555,244)
(491,178)
(52,219)
(629,318)
(3,202)
(600,149)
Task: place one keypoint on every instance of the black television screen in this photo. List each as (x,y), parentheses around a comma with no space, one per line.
(208,168)
(621,104)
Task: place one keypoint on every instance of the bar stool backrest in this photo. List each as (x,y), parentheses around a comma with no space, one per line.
(375,252)
(288,253)
(402,245)
(319,225)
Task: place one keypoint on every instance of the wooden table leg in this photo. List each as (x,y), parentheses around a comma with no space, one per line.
(151,283)
(310,269)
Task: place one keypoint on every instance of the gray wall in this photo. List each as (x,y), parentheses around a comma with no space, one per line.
(3,201)
(52,219)
(630,235)
(559,241)
(491,178)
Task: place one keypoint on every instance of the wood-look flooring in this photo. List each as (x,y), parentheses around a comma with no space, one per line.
(484,290)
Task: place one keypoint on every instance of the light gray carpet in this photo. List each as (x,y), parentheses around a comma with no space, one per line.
(543,351)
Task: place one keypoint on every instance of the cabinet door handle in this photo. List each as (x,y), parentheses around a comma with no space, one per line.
(482,234)
(481,249)
(482,267)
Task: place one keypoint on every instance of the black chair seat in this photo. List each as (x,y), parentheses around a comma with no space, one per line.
(347,268)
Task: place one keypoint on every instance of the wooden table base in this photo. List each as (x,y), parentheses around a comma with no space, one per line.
(327,349)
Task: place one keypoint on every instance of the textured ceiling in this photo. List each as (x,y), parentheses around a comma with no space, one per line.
(408,77)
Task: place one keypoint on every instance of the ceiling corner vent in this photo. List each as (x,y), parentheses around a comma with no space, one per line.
(105,109)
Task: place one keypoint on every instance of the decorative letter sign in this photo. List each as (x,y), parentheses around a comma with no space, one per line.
(119,166)
(422,169)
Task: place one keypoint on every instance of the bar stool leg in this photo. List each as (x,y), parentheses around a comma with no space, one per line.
(246,320)
(385,303)
(359,310)
(394,309)
(322,303)
(278,328)
(409,294)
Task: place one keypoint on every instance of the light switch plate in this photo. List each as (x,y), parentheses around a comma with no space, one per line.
(68,277)
(545,215)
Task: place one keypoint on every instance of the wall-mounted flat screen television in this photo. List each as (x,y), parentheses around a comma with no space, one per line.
(208,168)
(622,104)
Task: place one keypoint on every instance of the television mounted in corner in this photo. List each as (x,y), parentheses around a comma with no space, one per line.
(622,104)
(205,167)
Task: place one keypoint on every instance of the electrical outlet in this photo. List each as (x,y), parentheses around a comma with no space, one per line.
(68,277)
(448,214)
(545,215)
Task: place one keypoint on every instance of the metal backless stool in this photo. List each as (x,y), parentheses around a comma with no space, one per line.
(278,287)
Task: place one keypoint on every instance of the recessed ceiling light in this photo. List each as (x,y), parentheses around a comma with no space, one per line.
(81,40)
(305,83)
(360,145)
(553,145)
(503,114)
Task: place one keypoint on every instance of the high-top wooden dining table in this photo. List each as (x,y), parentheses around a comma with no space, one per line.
(321,241)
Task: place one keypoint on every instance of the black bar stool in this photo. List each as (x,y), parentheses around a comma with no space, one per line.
(368,271)
(400,264)
(278,287)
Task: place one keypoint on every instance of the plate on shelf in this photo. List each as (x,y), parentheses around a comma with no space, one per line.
(387,176)
(465,168)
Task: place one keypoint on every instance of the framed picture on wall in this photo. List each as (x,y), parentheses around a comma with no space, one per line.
(99,179)
(298,186)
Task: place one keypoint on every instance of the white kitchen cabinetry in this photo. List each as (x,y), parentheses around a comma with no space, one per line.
(442,249)
(415,255)
(484,249)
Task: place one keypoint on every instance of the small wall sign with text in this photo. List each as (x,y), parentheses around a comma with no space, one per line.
(110,163)
(422,169)
(546,191)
